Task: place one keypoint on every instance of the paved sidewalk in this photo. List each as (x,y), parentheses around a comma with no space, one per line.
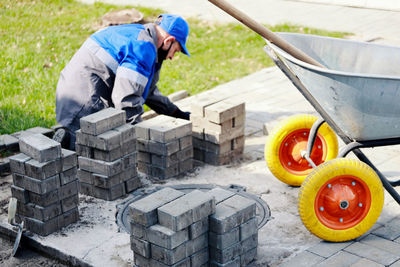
(269,97)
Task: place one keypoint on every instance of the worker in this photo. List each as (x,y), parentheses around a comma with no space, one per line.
(119,66)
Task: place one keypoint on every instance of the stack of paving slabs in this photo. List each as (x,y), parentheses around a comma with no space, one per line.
(233,230)
(165,147)
(106,146)
(170,228)
(45,184)
(218,131)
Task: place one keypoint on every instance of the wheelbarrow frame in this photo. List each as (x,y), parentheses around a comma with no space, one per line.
(350,145)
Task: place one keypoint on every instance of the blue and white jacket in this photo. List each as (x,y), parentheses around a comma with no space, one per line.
(116,67)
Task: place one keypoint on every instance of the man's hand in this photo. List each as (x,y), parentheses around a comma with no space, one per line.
(181,114)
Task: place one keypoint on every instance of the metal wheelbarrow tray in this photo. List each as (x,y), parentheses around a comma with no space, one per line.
(358,96)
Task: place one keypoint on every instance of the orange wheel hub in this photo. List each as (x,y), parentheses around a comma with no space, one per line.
(342,202)
(290,152)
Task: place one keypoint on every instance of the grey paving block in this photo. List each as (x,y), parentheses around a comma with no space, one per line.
(198,228)
(184,211)
(84,151)
(233,263)
(186,141)
(111,155)
(327,249)
(41,186)
(9,142)
(42,170)
(372,253)
(220,194)
(18,180)
(139,231)
(368,263)
(248,228)
(195,245)
(69,203)
(221,148)
(40,147)
(129,160)
(145,168)
(169,130)
(342,258)
(102,121)
(168,256)
(231,213)
(144,211)
(303,259)
(224,240)
(165,237)
(199,258)
(224,110)
(113,193)
(163,149)
(218,159)
(164,173)
(220,138)
(20,194)
(145,157)
(129,147)
(132,184)
(106,141)
(17,163)
(183,263)
(68,218)
(68,176)
(86,189)
(185,166)
(164,161)
(140,247)
(100,167)
(249,243)
(199,155)
(106,182)
(391,230)
(41,130)
(381,243)
(45,213)
(44,199)
(84,176)
(141,261)
(128,174)
(226,255)
(200,102)
(127,131)
(248,257)
(69,190)
(69,159)
(186,153)
(41,228)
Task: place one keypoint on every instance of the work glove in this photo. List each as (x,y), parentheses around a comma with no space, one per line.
(181,114)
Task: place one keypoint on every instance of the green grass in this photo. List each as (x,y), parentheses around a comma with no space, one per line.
(38,38)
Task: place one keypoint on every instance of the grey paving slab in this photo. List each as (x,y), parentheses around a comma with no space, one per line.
(327,249)
(372,253)
(390,231)
(366,263)
(381,243)
(303,259)
(342,258)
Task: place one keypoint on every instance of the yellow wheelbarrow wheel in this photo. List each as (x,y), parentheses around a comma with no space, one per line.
(284,145)
(341,200)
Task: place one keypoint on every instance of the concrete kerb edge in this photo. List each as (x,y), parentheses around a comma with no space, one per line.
(6,231)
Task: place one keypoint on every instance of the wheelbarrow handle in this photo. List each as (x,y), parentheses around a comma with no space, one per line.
(264,32)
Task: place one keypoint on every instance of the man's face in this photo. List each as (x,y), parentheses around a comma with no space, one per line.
(168,49)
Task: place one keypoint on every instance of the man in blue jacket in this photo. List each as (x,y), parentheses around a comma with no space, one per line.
(119,67)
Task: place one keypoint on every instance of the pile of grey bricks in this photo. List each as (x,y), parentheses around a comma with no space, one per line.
(171,228)
(165,147)
(218,130)
(106,146)
(45,184)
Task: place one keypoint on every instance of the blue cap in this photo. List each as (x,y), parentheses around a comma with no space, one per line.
(177,27)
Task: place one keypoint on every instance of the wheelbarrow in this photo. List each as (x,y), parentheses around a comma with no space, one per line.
(355,88)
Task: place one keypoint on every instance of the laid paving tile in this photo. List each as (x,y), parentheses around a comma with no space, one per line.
(304,258)
(390,230)
(375,254)
(366,263)
(327,249)
(342,258)
(379,242)
(396,264)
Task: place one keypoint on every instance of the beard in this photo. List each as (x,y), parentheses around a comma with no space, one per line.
(162,54)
